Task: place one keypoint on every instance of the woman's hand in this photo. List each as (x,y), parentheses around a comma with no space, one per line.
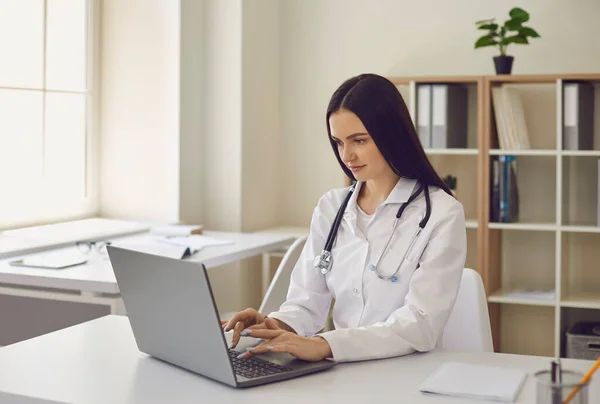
(309,349)
(240,321)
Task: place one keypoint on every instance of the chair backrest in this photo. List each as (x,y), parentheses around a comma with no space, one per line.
(468,328)
(277,292)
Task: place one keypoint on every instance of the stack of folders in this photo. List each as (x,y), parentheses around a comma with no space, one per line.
(504,198)
(475,382)
(578,113)
(510,118)
(442,115)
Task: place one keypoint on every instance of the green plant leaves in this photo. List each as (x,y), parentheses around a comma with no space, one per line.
(526,31)
(519,14)
(513,26)
(514,39)
(492,27)
(488,21)
(486,40)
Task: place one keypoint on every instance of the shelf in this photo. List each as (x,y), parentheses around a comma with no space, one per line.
(472,224)
(543,227)
(580,229)
(502,296)
(581,153)
(542,78)
(581,300)
(532,152)
(452,152)
(524,226)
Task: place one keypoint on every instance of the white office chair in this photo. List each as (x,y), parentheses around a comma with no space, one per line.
(277,291)
(468,328)
(278,287)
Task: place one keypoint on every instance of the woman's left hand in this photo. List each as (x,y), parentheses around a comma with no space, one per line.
(309,349)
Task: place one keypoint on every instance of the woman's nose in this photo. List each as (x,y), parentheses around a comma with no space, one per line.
(347,154)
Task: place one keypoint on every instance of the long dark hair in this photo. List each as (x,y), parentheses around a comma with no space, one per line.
(381,108)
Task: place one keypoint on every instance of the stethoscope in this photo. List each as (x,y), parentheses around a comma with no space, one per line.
(324,261)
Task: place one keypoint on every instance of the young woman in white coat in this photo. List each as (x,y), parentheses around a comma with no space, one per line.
(394,280)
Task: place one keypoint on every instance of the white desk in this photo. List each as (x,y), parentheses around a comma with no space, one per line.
(40,238)
(95,281)
(98,362)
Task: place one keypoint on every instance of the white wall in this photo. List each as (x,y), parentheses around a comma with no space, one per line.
(241,139)
(222,117)
(325,42)
(191,179)
(139,107)
(261,100)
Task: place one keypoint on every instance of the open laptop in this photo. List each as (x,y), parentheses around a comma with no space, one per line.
(174,318)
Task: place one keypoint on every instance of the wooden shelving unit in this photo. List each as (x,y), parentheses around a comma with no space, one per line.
(556,243)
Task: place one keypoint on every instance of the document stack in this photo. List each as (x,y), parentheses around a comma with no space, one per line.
(510,118)
(442,115)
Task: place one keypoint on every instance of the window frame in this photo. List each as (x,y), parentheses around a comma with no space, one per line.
(36,211)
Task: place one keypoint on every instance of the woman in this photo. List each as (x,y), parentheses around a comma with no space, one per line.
(388,301)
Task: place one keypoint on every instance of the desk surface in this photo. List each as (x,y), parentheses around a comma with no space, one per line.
(40,238)
(97,275)
(98,362)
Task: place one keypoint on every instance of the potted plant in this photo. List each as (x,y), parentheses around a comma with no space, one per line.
(512,31)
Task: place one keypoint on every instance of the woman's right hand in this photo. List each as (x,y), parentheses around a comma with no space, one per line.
(240,321)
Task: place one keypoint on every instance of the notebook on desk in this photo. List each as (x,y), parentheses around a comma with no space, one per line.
(475,381)
(177,247)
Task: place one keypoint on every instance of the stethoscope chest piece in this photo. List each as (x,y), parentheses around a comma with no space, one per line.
(323,262)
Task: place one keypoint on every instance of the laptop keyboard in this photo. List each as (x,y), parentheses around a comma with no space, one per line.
(254,367)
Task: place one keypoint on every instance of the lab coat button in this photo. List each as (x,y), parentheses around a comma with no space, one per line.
(356,291)
(372,267)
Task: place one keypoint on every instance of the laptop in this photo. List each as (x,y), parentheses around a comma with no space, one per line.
(173,316)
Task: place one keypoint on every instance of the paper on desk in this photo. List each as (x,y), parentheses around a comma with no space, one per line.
(475,381)
(176,230)
(51,260)
(172,247)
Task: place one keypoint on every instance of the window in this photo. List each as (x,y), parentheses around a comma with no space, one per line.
(46,158)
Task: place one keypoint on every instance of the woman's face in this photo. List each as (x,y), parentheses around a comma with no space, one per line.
(356,147)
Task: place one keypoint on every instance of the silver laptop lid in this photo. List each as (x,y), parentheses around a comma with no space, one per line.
(172,312)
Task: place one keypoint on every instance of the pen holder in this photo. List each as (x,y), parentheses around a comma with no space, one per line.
(554,393)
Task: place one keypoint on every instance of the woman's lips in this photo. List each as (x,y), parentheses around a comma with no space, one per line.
(356,168)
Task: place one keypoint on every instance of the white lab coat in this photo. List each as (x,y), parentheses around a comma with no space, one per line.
(377,318)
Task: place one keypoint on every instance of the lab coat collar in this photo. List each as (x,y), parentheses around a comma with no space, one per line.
(402,191)
(400,194)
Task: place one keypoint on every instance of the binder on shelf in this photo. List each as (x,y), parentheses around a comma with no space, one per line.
(598,200)
(449,116)
(578,114)
(504,192)
(495,191)
(424,99)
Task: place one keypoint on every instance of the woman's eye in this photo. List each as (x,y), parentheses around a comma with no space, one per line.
(359,141)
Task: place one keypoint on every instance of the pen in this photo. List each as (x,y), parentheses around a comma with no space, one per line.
(555,374)
(583,381)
